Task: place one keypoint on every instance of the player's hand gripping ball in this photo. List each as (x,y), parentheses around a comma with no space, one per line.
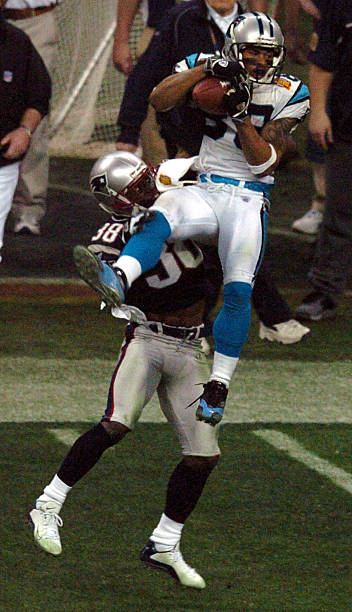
(208,95)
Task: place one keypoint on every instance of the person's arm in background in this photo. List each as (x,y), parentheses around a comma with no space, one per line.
(310,8)
(156,63)
(121,53)
(18,140)
(319,121)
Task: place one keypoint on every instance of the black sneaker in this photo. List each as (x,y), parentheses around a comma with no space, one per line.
(212,402)
(316,306)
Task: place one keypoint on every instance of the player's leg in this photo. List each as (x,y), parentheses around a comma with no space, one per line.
(184,489)
(241,246)
(126,399)
(180,213)
(185,369)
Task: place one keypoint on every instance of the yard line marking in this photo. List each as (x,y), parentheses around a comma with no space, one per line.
(65,436)
(295,450)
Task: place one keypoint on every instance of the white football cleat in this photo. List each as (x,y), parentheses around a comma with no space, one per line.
(172,562)
(287,332)
(309,223)
(45,522)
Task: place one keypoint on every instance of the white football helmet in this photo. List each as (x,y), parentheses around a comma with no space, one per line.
(256,30)
(121,180)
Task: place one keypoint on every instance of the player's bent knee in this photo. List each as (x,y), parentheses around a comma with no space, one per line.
(115,430)
(201,464)
(237,295)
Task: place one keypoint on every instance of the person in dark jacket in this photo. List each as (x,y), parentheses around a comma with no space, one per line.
(330,126)
(153,13)
(25,90)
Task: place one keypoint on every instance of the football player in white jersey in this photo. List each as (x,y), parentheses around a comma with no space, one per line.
(229,204)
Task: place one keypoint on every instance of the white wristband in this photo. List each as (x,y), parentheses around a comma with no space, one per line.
(269,162)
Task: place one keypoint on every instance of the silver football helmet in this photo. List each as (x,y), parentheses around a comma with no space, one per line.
(256,30)
(121,180)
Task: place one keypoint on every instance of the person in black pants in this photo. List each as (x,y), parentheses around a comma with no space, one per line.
(330,125)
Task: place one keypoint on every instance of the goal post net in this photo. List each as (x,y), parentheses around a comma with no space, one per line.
(87,89)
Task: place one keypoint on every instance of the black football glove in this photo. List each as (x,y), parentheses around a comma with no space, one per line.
(223,69)
(236,101)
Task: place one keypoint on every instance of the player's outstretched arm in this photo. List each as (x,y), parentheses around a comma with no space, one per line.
(174,89)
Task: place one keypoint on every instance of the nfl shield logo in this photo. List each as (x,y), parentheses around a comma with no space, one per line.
(7,76)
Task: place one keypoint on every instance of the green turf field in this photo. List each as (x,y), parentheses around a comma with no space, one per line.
(272,530)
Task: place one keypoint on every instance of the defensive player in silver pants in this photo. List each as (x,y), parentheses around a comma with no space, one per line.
(161,353)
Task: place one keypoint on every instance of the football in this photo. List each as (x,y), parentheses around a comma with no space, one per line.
(208,94)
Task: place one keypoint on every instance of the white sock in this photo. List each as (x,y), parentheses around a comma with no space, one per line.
(166,534)
(56,490)
(130,266)
(223,368)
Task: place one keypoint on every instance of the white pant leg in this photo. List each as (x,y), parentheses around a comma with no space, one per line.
(185,371)
(8,182)
(241,238)
(189,214)
(33,180)
(223,214)
(134,380)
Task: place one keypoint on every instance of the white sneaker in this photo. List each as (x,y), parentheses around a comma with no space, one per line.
(287,332)
(309,223)
(45,522)
(172,562)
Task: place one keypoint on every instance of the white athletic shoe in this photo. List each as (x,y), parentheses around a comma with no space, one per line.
(45,522)
(287,332)
(173,563)
(309,223)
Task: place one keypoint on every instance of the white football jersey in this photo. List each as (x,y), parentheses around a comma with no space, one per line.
(221,152)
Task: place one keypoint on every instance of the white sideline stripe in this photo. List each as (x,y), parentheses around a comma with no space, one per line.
(283,442)
(65,436)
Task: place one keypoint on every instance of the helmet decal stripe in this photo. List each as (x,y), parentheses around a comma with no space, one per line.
(260,26)
(271,29)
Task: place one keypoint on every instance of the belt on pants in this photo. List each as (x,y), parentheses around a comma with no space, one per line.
(252,185)
(25,13)
(184,333)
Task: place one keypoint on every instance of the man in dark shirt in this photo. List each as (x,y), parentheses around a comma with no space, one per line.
(331,127)
(25,91)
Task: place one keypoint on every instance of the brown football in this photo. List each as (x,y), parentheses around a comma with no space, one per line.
(208,93)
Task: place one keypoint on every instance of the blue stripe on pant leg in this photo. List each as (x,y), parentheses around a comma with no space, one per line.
(231,326)
(146,246)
